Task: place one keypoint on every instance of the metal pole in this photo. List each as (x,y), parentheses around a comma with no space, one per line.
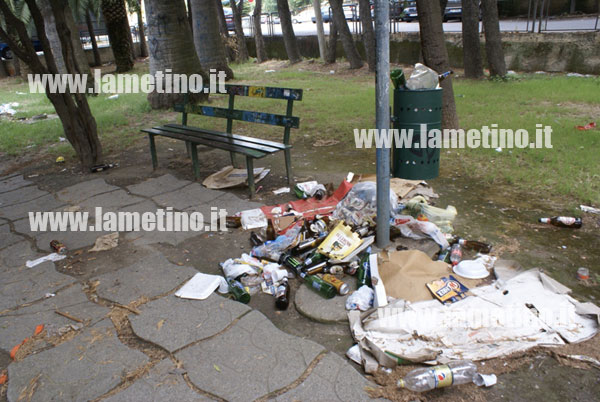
(382,118)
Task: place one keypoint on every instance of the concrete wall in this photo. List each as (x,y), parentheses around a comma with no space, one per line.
(553,52)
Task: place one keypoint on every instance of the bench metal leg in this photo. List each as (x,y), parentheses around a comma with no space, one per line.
(233,161)
(288,165)
(194,151)
(188,147)
(250,168)
(153,151)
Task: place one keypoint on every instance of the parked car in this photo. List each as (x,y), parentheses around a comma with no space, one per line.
(7,54)
(409,14)
(325,14)
(350,12)
(453,10)
(229,19)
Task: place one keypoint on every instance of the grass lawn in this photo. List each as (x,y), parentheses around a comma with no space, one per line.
(335,104)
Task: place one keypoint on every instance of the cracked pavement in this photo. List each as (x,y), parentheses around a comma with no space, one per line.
(113,330)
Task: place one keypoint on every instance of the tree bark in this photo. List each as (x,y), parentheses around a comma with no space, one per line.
(189,15)
(171,47)
(92,33)
(72,109)
(289,37)
(345,34)
(82,66)
(207,39)
(239,30)
(435,55)
(222,22)
(493,40)
(472,60)
(332,45)
(141,31)
(320,31)
(443,4)
(119,34)
(366,21)
(261,52)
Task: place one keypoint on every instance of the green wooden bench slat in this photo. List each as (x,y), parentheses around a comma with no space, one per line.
(259,141)
(226,140)
(242,115)
(227,147)
(264,92)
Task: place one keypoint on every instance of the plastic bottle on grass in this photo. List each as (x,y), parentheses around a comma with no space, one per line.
(426,379)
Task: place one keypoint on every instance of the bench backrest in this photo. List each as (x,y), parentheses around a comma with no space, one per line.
(288,121)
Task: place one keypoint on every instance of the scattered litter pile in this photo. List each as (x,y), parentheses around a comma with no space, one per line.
(407,307)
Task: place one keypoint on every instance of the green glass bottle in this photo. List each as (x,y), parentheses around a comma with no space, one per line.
(314,258)
(363,274)
(317,284)
(238,291)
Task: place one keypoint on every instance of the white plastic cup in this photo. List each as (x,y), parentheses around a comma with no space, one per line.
(278,275)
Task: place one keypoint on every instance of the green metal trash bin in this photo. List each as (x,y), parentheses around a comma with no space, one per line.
(411,109)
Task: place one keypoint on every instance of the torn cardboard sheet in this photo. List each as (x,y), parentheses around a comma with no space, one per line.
(405,274)
(526,311)
(106,242)
(231,177)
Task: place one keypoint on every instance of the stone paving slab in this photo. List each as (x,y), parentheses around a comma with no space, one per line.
(253,358)
(234,204)
(151,276)
(13,182)
(16,255)
(21,210)
(84,190)
(189,196)
(332,379)
(24,285)
(172,238)
(7,238)
(73,240)
(19,324)
(81,369)
(20,195)
(112,200)
(183,322)
(162,383)
(315,307)
(158,185)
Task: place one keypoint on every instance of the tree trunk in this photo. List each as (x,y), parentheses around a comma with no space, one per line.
(92,33)
(366,21)
(493,40)
(119,34)
(261,52)
(82,66)
(470,38)
(443,4)
(289,37)
(435,55)
(572,7)
(320,31)
(207,39)
(141,31)
(189,15)
(332,45)
(222,22)
(239,30)
(345,34)
(73,110)
(171,47)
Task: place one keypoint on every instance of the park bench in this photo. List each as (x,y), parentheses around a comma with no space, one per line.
(251,147)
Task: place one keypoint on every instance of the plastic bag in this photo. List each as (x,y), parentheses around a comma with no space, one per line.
(414,229)
(360,204)
(309,189)
(233,268)
(442,218)
(422,77)
(279,245)
(362,299)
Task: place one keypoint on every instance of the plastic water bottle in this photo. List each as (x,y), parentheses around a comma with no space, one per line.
(455,254)
(426,379)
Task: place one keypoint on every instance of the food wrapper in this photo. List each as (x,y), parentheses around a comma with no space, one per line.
(447,290)
(340,242)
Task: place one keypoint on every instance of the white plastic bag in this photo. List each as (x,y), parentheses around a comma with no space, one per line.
(422,77)
(414,229)
(233,268)
(360,204)
(362,299)
(443,218)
